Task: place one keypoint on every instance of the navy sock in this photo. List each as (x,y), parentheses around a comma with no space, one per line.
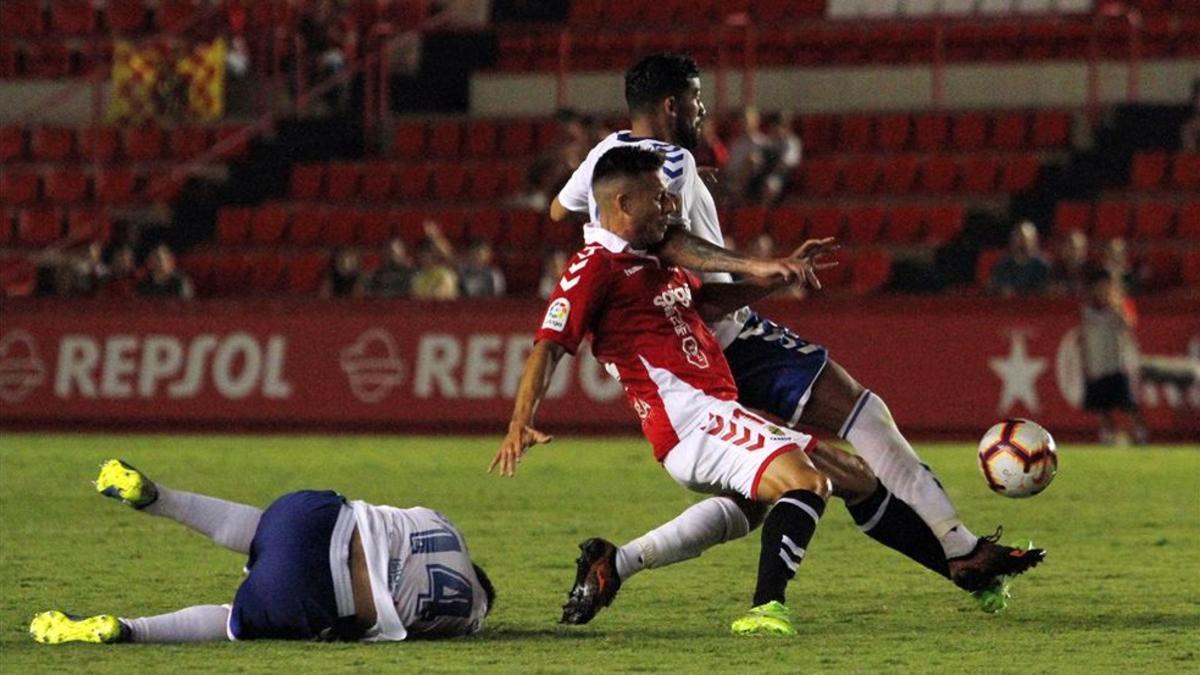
(890,521)
(785,536)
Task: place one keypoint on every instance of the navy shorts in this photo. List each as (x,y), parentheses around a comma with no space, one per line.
(1110,392)
(288,593)
(774,369)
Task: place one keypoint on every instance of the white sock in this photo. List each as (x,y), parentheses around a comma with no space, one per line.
(230,524)
(700,527)
(202,623)
(873,433)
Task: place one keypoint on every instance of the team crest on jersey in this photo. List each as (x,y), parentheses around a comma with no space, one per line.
(556,315)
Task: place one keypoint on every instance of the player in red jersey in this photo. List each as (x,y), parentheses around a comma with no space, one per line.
(892,495)
(647,319)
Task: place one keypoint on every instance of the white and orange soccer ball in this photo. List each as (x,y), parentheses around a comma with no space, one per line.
(1018,458)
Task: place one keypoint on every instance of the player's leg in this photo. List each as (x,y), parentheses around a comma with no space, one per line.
(201,623)
(229,524)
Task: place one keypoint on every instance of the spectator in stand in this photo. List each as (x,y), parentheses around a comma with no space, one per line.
(328,40)
(1069,275)
(1024,271)
(344,278)
(122,280)
(88,271)
(746,157)
(553,264)
(712,153)
(1117,262)
(434,280)
(1109,353)
(162,278)
(393,279)
(781,155)
(478,275)
(551,169)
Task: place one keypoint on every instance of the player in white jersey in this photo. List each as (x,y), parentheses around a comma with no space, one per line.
(892,495)
(320,568)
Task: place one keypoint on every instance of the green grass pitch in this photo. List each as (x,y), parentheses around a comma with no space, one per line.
(1118,593)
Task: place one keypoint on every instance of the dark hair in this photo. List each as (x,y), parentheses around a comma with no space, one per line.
(488,589)
(1096,274)
(625,161)
(656,77)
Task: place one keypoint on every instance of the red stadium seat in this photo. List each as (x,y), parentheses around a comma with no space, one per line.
(408,141)
(409,224)
(939,174)
(22,17)
(453,223)
(12,143)
(979,174)
(98,143)
(522,272)
(486,224)
(233,225)
(1019,174)
(412,182)
(1185,171)
(66,185)
(233,141)
(267,224)
(900,174)
(855,133)
(945,223)
(1149,170)
(267,272)
(376,181)
(88,224)
(51,144)
(306,179)
(189,142)
(1161,268)
(1190,268)
(984,263)
(861,174)
(375,228)
(306,225)
(524,228)
(516,138)
(445,137)
(893,132)
(1010,131)
(125,16)
(341,227)
(1070,216)
(47,60)
(39,227)
(545,134)
(1187,221)
(449,181)
(305,272)
(970,131)
(864,223)
(1051,129)
(1152,220)
(905,224)
(174,16)
(72,17)
(481,138)
(115,185)
(818,176)
(487,180)
(341,181)
(18,186)
(870,270)
(786,224)
(824,221)
(932,131)
(143,143)
(748,222)
(819,133)
(1112,220)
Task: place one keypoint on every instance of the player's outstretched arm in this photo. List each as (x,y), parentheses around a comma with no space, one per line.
(560,213)
(682,248)
(535,379)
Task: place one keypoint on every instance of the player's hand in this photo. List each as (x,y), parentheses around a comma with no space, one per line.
(519,439)
(813,255)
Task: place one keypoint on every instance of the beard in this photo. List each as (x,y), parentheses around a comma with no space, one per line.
(687,133)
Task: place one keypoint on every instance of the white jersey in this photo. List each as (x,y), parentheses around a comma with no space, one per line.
(1107,344)
(698,210)
(422,579)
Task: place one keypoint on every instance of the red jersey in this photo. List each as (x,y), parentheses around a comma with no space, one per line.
(645,329)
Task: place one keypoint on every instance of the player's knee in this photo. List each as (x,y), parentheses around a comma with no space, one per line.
(857,481)
(809,479)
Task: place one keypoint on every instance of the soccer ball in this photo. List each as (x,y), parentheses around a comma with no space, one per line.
(1018,458)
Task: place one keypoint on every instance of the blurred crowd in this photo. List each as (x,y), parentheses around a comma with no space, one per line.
(1025,270)
(93,271)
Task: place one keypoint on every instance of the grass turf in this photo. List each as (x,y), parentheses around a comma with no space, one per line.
(1118,592)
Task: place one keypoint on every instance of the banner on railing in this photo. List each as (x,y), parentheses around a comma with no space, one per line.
(455,367)
(158,80)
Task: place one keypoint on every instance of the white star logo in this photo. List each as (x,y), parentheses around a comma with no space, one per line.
(1019,372)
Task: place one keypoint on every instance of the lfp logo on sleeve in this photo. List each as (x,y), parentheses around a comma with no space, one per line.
(556,315)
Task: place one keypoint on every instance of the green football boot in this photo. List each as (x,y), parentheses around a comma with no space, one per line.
(122,481)
(54,627)
(773,618)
